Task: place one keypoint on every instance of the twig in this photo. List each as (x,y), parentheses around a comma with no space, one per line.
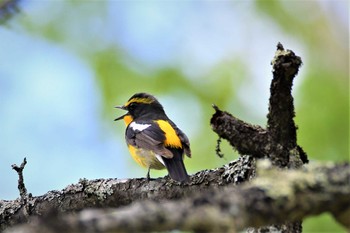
(21,186)
(218,149)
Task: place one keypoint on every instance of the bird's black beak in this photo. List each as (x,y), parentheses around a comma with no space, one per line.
(121,117)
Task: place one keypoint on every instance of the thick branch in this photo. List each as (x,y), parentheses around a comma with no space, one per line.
(244,137)
(267,200)
(280,123)
(115,192)
(278,141)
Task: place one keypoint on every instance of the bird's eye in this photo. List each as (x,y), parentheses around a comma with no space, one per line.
(131,106)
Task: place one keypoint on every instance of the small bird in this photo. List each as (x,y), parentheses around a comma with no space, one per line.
(153,140)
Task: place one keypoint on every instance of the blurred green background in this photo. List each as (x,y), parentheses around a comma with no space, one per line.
(64,65)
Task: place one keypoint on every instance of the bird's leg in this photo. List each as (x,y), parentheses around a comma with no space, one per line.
(148,175)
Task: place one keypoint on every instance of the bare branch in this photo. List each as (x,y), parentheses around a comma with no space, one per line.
(21,187)
(244,137)
(278,141)
(266,200)
(280,123)
(105,193)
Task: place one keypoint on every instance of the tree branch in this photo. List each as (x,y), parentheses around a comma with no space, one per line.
(244,137)
(266,200)
(106,193)
(21,187)
(280,123)
(278,141)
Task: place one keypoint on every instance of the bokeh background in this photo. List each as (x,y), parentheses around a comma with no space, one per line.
(64,65)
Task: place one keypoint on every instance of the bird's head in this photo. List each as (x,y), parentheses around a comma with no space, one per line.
(141,105)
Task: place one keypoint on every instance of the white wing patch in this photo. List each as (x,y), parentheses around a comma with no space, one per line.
(139,127)
(160,159)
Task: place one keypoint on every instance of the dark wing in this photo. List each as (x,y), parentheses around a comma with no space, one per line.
(184,139)
(176,166)
(147,136)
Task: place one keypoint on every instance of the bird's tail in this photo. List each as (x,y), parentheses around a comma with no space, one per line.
(176,167)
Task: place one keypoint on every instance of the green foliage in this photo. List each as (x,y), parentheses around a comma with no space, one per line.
(322,223)
(323,116)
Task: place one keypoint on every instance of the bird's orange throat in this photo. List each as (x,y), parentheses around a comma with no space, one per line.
(127,119)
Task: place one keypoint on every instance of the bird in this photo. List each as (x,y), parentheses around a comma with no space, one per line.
(153,140)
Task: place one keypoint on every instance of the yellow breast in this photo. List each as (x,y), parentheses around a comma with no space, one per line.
(145,158)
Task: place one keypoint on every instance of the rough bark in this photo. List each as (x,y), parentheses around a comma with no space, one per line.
(266,200)
(108,193)
(21,187)
(278,141)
